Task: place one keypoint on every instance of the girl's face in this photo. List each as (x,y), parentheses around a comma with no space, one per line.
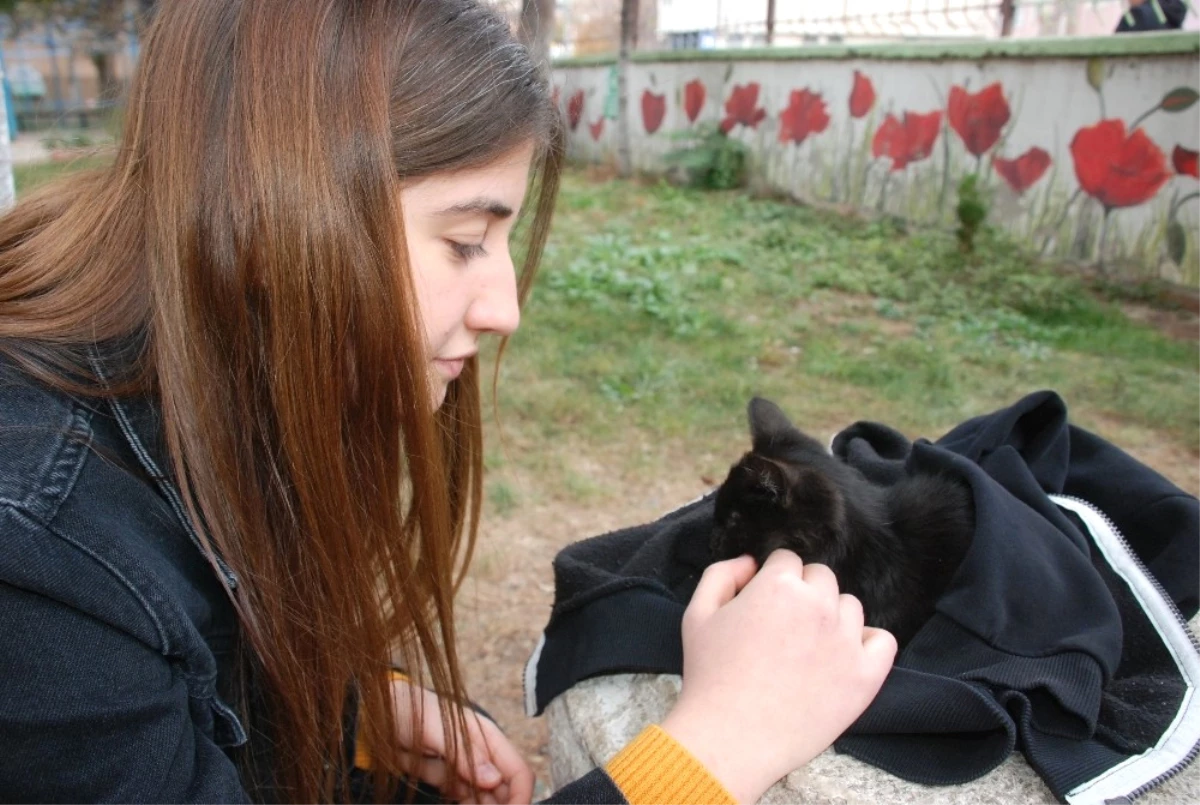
(458,225)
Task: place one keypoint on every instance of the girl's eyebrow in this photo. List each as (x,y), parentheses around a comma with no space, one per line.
(487,206)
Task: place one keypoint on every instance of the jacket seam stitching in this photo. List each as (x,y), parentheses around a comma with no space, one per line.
(163,482)
(62,470)
(164,640)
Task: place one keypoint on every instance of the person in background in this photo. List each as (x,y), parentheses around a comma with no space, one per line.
(1152,15)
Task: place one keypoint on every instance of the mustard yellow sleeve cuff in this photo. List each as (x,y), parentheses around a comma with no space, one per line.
(362,752)
(655,768)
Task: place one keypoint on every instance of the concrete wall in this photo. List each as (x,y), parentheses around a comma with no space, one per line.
(1088,147)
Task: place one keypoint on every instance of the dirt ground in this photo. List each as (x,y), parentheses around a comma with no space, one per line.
(506,600)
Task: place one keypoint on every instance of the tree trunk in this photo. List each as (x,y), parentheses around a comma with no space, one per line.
(106,89)
(1008,13)
(647,26)
(55,74)
(537,27)
(629,15)
(144,15)
(770,22)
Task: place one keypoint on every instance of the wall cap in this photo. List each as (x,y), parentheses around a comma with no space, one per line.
(1172,43)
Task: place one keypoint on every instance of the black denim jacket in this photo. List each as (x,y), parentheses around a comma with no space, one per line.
(114,629)
(116,635)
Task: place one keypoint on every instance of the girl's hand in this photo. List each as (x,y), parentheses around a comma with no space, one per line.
(776,666)
(493,773)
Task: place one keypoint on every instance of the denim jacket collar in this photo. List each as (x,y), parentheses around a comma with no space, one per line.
(140,421)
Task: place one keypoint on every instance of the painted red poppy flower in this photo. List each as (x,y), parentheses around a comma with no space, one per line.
(596,128)
(654,107)
(804,115)
(1185,161)
(742,107)
(908,141)
(1116,169)
(862,97)
(693,99)
(1022,172)
(888,139)
(978,118)
(575,109)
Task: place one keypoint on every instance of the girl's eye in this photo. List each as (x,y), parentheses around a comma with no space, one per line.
(467,251)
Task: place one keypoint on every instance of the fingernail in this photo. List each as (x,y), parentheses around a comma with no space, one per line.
(487,774)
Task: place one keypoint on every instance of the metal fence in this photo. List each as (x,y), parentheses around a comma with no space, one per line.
(592,26)
(53,81)
(53,75)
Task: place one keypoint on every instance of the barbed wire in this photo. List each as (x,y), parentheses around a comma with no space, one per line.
(743,23)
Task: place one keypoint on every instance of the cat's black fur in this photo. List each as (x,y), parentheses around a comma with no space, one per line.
(893,547)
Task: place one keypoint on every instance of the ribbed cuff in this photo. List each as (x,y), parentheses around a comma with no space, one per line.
(655,768)
(362,752)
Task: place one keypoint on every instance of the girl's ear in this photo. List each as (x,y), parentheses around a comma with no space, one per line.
(767,423)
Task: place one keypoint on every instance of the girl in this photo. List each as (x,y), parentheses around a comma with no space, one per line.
(240,443)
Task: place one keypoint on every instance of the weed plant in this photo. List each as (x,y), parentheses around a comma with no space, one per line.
(662,309)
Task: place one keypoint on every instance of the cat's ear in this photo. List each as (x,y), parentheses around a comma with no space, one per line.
(764,480)
(767,423)
(814,492)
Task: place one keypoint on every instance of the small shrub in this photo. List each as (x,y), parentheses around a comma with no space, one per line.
(972,210)
(709,158)
(72,140)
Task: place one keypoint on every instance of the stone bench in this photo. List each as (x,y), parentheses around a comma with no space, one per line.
(591,722)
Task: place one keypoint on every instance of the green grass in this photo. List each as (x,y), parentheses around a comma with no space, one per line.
(661,310)
(502,498)
(28,176)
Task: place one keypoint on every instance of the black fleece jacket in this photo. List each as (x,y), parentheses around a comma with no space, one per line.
(1062,635)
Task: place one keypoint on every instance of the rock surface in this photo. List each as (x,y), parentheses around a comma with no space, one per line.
(591,722)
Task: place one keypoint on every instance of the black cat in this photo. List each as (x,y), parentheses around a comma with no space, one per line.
(893,547)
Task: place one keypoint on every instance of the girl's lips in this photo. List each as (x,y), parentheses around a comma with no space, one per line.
(449,369)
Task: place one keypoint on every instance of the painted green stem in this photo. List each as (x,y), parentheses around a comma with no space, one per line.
(1133,126)
(1063,217)
(1175,207)
(945,172)
(1103,238)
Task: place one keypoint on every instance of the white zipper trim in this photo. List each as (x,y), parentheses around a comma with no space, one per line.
(1183,734)
(531,678)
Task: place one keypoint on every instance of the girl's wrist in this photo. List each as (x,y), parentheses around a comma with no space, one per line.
(708,739)
(654,767)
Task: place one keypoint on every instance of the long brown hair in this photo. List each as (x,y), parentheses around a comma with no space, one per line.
(249,235)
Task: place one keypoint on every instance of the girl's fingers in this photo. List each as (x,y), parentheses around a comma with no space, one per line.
(478,766)
(822,578)
(431,770)
(880,643)
(719,584)
(493,771)
(517,777)
(851,612)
